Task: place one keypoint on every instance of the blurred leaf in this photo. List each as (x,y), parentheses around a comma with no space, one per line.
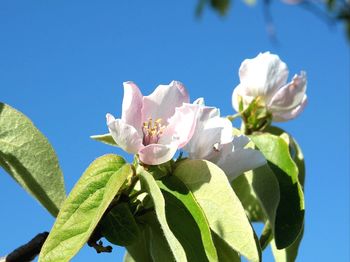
(26,154)
(187,220)
(250,2)
(150,185)
(221,6)
(106,139)
(119,226)
(84,207)
(224,211)
(290,211)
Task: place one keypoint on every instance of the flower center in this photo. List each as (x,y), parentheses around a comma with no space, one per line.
(152,131)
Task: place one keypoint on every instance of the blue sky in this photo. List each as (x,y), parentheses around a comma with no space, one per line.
(63,63)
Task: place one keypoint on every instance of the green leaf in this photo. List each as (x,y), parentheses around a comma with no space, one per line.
(157,243)
(290,211)
(119,226)
(288,254)
(128,257)
(225,252)
(187,220)
(106,139)
(150,186)
(84,207)
(139,250)
(294,149)
(224,211)
(259,193)
(26,154)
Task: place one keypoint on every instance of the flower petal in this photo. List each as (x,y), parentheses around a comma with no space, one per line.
(126,136)
(289,96)
(181,126)
(132,105)
(282,116)
(263,75)
(156,154)
(239,142)
(162,102)
(239,161)
(241,91)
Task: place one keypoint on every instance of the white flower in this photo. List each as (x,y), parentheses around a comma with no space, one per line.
(265,76)
(213,140)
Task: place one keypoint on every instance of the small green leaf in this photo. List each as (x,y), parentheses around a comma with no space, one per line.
(119,226)
(106,138)
(84,207)
(224,211)
(150,185)
(290,211)
(26,154)
(187,220)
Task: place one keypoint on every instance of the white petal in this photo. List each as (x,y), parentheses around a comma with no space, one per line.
(199,101)
(263,75)
(240,142)
(162,102)
(282,116)
(240,161)
(210,130)
(181,126)
(289,96)
(126,136)
(156,154)
(241,91)
(132,104)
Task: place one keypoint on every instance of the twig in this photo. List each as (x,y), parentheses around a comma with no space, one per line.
(28,251)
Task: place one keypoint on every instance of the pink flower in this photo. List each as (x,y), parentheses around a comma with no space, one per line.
(266,76)
(154,126)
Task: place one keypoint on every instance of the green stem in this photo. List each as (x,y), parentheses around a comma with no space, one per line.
(233,117)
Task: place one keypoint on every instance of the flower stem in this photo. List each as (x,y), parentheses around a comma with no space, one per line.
(233,117)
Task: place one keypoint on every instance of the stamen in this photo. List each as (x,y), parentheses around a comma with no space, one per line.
(152,131)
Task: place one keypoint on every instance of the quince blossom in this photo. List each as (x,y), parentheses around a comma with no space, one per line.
(213,140)
(265,76)
(154,126)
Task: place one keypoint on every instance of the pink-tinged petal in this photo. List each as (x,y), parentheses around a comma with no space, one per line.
(181,126)
(162,102)
(282,116)
(126,136)
(132,105)
(239,161)
(156,154)
(291,95)
(263,75)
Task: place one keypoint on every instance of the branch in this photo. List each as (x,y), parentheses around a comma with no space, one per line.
(28,251)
